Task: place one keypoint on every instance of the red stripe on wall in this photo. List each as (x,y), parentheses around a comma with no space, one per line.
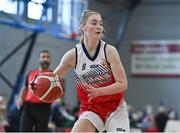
(155,48)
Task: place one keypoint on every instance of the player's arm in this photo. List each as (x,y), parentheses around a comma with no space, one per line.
(67,62)
(23,94)
(119,74)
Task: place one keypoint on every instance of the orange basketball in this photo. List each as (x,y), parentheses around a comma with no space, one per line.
(47,87)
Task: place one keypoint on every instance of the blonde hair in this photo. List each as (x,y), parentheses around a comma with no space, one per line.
(84,17)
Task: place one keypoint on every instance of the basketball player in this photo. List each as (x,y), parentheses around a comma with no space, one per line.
(100,79)
(35,115)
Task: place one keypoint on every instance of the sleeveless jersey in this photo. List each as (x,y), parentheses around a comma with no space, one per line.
(95,71)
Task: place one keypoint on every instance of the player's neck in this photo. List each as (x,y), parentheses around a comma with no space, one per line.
(91,44)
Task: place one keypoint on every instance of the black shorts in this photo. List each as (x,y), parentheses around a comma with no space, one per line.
(35,117)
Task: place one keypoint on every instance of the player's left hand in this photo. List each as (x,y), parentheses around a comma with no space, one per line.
(92,92)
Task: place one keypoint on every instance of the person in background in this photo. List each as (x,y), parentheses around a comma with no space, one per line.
(161,118)
(35,114)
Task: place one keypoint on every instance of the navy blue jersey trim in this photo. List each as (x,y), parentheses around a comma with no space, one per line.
(105,51)
(87,54)
(76,57)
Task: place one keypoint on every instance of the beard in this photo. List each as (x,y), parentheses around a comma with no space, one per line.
(44,65)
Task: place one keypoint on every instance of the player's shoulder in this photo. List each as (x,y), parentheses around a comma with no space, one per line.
(70,57)
(78,44)
(33,71)
(110,48)
(71,52)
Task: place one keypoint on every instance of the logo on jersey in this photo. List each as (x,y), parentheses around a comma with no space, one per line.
(120,130)
(84,66)
(94,66)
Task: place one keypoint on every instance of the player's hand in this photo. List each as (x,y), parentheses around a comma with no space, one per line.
(92,92)
(32,85)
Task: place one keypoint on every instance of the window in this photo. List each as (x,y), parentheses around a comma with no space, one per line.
(39,1)
(34,10)
(58,17)
(37,11)
(8,6)
(69,12)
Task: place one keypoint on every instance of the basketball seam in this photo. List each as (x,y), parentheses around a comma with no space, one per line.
(52,79)
(58,83)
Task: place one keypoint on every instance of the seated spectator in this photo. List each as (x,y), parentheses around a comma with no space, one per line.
(161,118)
(172,114)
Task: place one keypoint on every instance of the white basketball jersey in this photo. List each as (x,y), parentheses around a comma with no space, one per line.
(94,71)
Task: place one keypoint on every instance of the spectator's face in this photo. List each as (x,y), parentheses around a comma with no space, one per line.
(45,60)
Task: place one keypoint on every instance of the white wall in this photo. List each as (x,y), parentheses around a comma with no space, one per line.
(156,22)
